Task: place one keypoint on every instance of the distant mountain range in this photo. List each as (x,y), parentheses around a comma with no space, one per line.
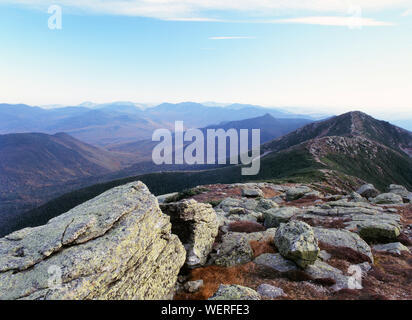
(122,122)
(346,150)
(35,167)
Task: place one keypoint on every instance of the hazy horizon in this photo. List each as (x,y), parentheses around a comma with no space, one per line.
(324,57)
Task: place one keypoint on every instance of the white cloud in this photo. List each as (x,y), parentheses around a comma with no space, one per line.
(199,10)
(407,13)
(355,22)
(230,38)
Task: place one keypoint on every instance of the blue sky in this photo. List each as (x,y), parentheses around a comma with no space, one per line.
(309,55)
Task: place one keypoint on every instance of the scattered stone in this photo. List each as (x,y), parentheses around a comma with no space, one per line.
(381,227)
(166,197)
(278,199)
(324,255)
(395,248)
(252,193)
(237,211)
(268,291)
(356,197)
(368,191)
(234,249)
(401,191)
(235,292)
(323,271)
(297,192)
(276,262)
(340,238)
(387,198)
(118,245)
(365,267)
(193,286)
(266,204)
(334,197)
(196,225)
(296,241)
(228,203)
(268,234)
(274,217)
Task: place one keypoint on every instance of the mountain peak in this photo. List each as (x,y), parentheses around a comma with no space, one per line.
(350,124)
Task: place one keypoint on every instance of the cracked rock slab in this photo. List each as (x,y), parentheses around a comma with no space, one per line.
(118,245)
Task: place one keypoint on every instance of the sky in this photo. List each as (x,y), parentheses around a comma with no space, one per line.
(320,55)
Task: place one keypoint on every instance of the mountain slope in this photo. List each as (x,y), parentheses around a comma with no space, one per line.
(270,128)
(30,162)
(39,159)
(344,151)
(349,124)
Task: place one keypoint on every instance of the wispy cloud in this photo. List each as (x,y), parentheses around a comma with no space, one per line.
(230,38)
(336,21)
(407,13)
(200,10)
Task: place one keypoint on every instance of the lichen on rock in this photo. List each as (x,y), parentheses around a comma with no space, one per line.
(118,245)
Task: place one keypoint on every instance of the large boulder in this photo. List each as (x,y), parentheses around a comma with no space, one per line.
(118,245)
(196,225)
(234,249)
(274,217)
(368,191)
(387,198)
(401,191)
(235,292)
(296,241)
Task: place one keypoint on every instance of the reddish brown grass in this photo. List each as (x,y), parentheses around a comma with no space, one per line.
(213,276)
(246,227)
(261,247)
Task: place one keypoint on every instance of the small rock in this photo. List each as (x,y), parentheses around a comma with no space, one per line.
(387,198)
(296,241)
(356,197)
(325,256)
(395,248)
(274,217)
(165,197)
(252,193)
(368,191)
(321,270)
(266,204)
(234,249)
(237,210)
(340,238)
(297,193)
(235,292)
(401,191)
(276,262)
(268,291)
(193,286)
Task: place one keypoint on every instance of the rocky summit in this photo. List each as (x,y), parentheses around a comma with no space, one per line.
(272,241)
